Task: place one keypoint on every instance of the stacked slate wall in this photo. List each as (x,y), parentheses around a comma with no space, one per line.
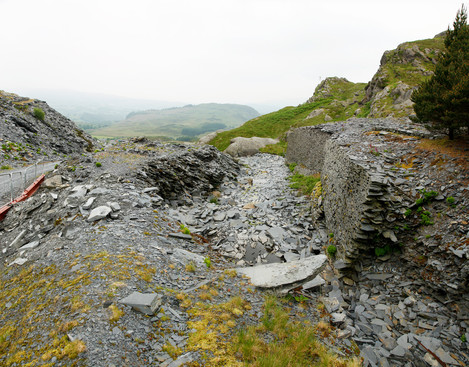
(361,202)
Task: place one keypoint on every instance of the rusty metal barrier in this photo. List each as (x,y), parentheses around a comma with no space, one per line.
(13,184)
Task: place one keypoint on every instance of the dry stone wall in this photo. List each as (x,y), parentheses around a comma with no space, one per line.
(362,199)
(307,148)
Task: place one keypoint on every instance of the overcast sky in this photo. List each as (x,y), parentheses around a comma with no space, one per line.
(226,51)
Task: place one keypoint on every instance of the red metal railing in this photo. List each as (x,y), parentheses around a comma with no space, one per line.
(26,194)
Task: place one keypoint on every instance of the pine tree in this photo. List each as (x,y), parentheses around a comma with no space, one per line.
(443,100)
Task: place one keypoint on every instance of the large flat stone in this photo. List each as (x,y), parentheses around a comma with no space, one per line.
(285,274)
(146,303)
(186,257)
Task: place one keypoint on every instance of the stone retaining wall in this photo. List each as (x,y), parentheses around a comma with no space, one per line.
(306,147)
(361,202)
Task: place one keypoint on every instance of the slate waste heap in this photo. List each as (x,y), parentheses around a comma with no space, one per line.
(137,232)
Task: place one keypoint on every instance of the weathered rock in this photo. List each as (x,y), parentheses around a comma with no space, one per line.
(53,182)
(195,171)
(315,113)
(30,245)
(186,257)
(54,135)
(99,213)
(89,203)
(316,282)
(78,192)
(114,206)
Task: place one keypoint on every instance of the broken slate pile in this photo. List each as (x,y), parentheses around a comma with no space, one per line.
(257,219)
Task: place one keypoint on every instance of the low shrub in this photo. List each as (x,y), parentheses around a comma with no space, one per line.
(39,113)
(331,250)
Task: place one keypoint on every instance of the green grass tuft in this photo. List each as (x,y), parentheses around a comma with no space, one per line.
(305,184)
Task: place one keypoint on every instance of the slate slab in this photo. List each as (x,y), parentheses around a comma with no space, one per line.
(282,275)
(146,303)
(182,236)
(186,257)
(99,213)
(316,282)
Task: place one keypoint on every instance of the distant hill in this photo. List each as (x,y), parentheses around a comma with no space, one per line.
(337,99)
(179,122)
(94,110)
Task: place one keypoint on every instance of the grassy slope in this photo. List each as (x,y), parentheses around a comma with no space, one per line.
(276,124)
(171,121)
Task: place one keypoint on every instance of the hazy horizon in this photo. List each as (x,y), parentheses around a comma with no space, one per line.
(256,52)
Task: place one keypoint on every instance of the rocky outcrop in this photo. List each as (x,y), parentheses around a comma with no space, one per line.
(371,180)
(400,72)
(329,88)
(26,137)
(242,147)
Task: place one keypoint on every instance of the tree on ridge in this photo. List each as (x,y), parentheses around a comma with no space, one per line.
(443,100)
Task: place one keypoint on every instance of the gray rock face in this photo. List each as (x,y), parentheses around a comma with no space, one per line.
(284,275)
(242,147)
(378,90)
(369,188)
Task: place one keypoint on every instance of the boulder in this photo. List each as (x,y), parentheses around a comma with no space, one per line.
(315,113)
(53,182)
(242,147)
(206,138)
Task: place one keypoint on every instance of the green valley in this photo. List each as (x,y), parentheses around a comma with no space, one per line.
(181,123)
